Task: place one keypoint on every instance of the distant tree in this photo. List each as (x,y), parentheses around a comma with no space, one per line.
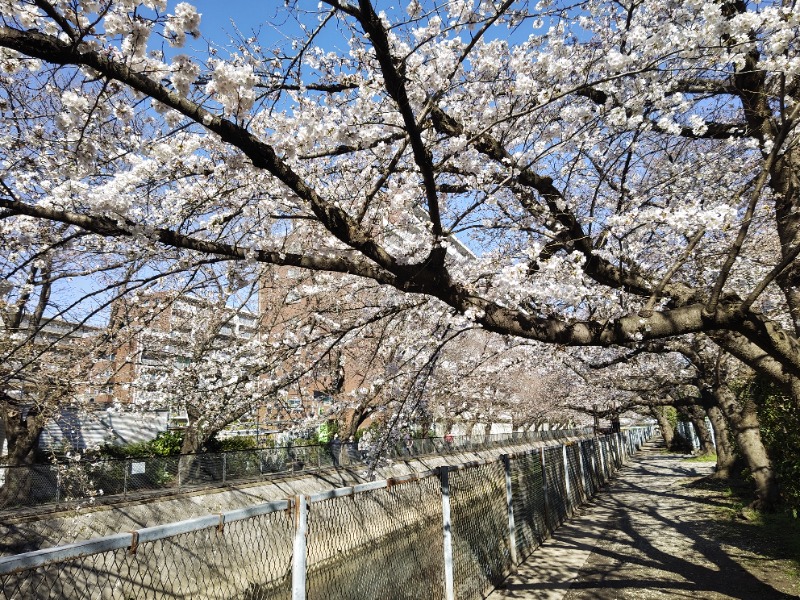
(699,379)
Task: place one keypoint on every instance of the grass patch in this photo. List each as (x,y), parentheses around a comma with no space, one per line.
(702,458)
(775,535)
(784,529)
(765,544)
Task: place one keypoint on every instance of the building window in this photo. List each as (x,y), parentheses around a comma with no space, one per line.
(322,397)
(153,357)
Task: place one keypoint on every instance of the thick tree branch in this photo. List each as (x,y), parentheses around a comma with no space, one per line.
(108,227)
(394,81)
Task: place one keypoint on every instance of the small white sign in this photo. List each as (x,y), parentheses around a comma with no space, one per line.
(137,468)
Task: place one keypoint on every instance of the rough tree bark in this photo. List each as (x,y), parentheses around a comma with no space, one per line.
(698,418)
(667,430)
(724,447)
(351,419)
(23,429)
(743,419)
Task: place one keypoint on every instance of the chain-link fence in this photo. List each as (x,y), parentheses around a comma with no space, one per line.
(382,544)
(480,540)
(68,481)
(454,532)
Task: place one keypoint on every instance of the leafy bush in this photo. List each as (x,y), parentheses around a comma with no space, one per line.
(326,431)
(232,444)
(780,430)
(166,443)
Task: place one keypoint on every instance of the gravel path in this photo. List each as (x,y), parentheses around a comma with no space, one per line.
(647,536)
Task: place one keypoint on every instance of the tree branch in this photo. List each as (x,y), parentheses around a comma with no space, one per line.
(108,227)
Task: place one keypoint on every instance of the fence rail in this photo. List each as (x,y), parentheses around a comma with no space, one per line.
(452,532)
(110,479)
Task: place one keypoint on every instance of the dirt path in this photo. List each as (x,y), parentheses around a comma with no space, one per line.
(651,535)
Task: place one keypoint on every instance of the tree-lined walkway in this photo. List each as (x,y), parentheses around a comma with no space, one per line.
(646,536)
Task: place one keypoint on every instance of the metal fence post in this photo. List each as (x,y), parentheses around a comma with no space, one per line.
(224,466)
(299,550)
(602,460)
(615,451)
(612,446)
(585,492)
(612,456)
(544,490)
(58,484)
(125,466)
(567,486)
(512,528)
(447,531)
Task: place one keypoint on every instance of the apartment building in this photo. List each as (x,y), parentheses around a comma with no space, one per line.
(160,333)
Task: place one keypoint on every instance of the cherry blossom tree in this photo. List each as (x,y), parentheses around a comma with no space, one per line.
(46,363)
(623,172)
(483,378)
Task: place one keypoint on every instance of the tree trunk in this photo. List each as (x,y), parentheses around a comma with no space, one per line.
(448,424)
(698,418)
(667,431)
(350,420)
(470,427)
(722,440)
(743,419)
(194,437)
(22,435)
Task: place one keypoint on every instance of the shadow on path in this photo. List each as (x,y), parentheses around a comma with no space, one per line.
(645,536)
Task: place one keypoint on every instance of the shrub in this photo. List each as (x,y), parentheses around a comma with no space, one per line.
(780,430)
(232,444)
(166,443)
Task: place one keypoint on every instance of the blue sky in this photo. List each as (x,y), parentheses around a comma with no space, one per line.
(217,15)
(268,17)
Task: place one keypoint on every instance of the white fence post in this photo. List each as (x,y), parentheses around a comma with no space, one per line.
(447,531)
(603,460)
(615,451)
(567,482)
(545,490)
(585,494)
(299,552)
(512,529)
